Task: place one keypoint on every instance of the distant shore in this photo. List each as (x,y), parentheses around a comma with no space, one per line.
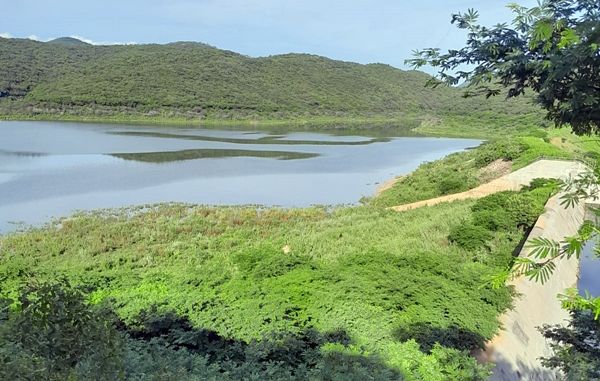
(196,122)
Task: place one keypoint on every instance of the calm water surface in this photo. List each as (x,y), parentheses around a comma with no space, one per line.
(589,270)
(50,169)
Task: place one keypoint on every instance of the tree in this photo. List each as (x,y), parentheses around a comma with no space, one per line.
(52,333)
(576,347)
(552,49)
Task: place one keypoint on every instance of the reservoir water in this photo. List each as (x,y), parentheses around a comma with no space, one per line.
(589,269)
(51,169)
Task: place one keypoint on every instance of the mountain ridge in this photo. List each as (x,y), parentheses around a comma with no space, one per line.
(197,80)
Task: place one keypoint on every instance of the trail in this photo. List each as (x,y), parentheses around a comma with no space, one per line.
(546,168)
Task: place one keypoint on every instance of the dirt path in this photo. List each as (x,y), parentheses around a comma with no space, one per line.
(557,169)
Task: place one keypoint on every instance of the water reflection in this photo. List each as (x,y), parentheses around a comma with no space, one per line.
(194,154)
(589,270)
(269,139)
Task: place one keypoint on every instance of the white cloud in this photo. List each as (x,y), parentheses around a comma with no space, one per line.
(87,40)
(83,39)
(92,42)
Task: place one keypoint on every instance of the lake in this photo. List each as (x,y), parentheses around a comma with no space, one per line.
(51,169)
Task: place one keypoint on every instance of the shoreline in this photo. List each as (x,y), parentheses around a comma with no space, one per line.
(333,122)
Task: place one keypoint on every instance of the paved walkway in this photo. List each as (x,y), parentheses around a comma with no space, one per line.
(557,169)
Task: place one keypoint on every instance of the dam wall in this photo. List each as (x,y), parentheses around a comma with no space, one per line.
(516,351)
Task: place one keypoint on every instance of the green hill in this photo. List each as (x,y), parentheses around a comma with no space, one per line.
(68,41)
(194,80)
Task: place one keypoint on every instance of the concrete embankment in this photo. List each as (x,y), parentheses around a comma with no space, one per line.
(516,351)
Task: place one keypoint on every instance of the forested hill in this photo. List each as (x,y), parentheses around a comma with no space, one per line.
(197,80)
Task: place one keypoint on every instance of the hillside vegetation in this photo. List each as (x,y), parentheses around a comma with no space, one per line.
(193,81)
(466,170)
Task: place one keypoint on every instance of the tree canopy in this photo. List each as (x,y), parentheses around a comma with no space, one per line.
(552,49)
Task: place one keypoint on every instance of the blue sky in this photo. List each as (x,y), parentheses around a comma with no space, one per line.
(353,30)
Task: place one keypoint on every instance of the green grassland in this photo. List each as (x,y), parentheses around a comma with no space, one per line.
(395,283)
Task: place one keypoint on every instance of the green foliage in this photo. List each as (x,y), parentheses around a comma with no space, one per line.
(469,236)
(576,347)
(363,271)
(466,170)
(38,342)
(551,49)
(452,174)
(502,149)
(54,335)
(500,220)
(510,210)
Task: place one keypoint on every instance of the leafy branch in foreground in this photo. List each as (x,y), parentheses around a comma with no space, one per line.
(542,259)
(552,49)
(576,347)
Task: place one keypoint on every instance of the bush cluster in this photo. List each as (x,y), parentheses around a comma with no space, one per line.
(507,211)
(54,334)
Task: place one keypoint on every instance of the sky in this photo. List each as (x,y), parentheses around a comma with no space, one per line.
(365,31)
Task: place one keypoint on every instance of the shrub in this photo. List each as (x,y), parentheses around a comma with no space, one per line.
(576,348)
(510,210)
(454,183)
(54,335)
(552,185)
(505,149)
(469,236)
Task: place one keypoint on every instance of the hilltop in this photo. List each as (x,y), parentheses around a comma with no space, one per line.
(69,78)
(69,41)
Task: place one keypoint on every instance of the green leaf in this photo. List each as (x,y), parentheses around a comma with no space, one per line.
(543,247)
(542,31)
(541,272)
(568,38)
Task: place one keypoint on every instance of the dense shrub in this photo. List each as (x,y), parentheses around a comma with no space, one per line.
(509,210)
(504,214)
(354,275)
(462,171)
(503,149)
(453,182)
(54,334)
(469,236)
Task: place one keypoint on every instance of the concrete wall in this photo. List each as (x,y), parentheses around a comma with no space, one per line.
(517,349)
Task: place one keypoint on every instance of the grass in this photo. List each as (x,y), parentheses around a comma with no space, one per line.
(373,273)
(482,125)
(466,170)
